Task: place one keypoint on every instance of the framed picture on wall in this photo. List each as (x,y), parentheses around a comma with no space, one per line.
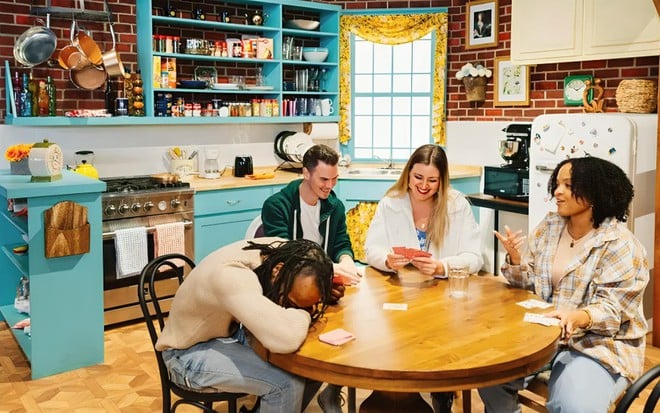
(481,24)
(511,83)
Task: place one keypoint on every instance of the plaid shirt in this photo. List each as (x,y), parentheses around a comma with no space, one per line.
(607,277)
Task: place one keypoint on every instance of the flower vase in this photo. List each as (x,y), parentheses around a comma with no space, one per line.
(475,87)
(21,167)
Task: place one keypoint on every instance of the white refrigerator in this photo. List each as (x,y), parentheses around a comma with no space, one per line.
(628,140)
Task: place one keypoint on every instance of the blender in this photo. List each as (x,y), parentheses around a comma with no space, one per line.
(211,168)
(84,164)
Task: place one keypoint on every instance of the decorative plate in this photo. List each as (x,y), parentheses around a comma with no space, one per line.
(224,86)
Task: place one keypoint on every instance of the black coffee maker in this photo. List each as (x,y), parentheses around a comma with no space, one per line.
(515,148)
(511,179)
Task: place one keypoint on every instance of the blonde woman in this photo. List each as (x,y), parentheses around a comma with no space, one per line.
(422,211)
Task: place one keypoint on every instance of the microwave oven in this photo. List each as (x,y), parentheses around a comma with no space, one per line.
(507,182)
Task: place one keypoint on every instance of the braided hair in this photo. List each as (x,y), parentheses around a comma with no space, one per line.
(299,258)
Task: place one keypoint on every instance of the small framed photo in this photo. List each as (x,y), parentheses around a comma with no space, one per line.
(511,83)
(481,24)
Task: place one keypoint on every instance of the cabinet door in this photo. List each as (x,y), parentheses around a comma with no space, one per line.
(549,31)
(216,231)
(618,29)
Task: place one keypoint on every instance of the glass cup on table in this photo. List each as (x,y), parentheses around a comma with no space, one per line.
(458,275)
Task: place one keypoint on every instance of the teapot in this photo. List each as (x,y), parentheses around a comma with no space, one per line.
(84,164)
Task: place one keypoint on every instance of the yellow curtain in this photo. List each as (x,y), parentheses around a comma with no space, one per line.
(392,29)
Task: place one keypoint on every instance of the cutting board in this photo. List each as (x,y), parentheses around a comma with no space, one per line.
(67,230)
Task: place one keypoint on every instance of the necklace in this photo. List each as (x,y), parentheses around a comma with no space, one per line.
(575,240)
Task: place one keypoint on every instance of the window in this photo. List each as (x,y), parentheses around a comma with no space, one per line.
(392,97)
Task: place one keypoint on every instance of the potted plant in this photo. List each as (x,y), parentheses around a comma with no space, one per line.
(474,78)
(17,155)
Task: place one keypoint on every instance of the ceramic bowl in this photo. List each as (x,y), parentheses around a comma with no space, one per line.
(193,84)
(315,54)
(302,24)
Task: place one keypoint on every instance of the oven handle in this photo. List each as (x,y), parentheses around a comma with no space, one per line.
(150,230)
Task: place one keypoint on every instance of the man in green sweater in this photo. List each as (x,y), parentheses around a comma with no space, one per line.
(308,208)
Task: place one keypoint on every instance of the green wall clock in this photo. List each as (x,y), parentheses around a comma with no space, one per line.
(574,86)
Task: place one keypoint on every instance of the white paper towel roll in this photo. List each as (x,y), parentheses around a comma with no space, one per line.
(324,131)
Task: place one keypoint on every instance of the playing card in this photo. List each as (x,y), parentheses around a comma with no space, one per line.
(534,303)
(541,319)
(410,253)
(395,306)
(336,337)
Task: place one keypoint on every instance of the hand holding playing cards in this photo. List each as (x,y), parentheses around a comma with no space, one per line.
(347,270)
(425,265)
(396,261)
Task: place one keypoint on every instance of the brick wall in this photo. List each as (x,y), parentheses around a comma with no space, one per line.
(545,88)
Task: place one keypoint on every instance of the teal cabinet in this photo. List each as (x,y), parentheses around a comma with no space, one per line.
(223,216)
(66,293)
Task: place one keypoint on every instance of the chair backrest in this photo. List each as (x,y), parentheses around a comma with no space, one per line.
(637,387)
(255,229)
(169,266)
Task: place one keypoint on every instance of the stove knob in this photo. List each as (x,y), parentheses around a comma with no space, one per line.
(175,203)
(148,205)
(136,207)
(123,208)
(110,210)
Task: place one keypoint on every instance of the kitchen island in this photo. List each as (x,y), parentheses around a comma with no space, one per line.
(65,292)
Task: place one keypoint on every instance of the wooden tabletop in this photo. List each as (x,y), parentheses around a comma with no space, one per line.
(439,343)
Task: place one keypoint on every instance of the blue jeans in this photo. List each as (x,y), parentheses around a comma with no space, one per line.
(577,384)
(230,364)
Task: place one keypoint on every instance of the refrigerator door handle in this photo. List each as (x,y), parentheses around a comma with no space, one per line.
(544,168)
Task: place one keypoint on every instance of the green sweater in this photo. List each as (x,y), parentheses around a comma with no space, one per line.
(281,209)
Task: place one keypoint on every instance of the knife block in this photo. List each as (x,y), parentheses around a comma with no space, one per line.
(66,230)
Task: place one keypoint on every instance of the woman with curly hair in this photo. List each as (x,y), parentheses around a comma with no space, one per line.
(585,262)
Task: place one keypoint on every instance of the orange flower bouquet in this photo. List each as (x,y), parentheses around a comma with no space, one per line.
(17,155)
(18,152)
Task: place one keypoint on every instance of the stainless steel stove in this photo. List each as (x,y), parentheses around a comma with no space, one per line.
(139,201)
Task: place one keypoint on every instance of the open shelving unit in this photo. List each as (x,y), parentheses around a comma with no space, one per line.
(275,71)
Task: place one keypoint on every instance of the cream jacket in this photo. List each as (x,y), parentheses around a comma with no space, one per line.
(393,226)
(223,289)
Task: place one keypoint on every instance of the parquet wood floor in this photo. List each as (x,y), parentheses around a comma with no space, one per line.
(127,382)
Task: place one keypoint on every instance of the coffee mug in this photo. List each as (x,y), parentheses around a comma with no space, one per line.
(326,107)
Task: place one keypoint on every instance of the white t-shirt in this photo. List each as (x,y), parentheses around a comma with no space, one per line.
(310,218)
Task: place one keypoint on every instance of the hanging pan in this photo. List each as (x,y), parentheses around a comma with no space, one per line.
(71,57)
(35,45)
(88,46)
(89,77)
(111,60)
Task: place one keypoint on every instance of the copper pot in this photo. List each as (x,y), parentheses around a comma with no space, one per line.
(88,46)
(90,77)
(111,60)
(71,57)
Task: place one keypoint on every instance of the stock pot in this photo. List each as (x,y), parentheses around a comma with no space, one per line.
(35,45)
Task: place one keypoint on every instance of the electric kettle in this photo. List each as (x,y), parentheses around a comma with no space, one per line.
(84,160)
(243,165)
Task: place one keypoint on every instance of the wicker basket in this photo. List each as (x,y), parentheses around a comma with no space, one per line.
(637,96)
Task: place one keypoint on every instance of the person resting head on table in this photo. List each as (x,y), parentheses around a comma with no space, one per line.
(269,288)
(308,208)
(586,262)
(421,211)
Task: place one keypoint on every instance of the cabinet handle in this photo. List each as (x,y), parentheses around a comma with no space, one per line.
(233,203)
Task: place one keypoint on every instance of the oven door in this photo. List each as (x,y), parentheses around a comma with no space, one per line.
(120,295)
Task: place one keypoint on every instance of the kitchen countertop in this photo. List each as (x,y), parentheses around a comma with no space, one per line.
(227,181)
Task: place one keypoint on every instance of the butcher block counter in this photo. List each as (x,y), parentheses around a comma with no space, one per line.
(227,181)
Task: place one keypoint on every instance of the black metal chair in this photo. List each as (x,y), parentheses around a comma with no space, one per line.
(637,387)
(153,298)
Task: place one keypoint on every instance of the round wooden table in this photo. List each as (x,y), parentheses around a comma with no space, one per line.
(439,343)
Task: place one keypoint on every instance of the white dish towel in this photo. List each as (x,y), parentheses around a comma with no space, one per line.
(131,248)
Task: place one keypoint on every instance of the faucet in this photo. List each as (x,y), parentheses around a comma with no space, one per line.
(389,163)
